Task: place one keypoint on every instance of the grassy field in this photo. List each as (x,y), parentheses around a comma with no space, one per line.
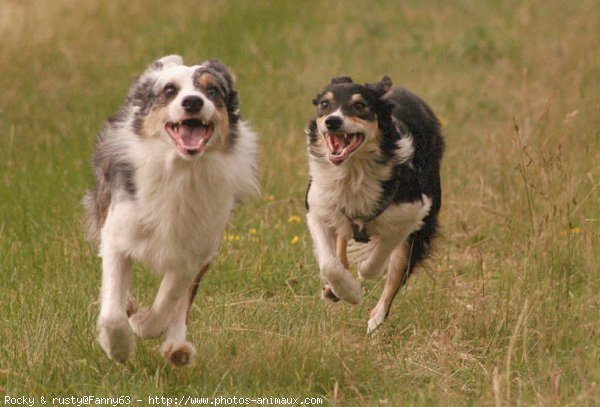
(505,313)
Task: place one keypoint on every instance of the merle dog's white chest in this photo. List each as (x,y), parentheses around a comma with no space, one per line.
(176,220)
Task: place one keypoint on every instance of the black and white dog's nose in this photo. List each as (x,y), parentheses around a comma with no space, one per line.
(192,104)
(334,123)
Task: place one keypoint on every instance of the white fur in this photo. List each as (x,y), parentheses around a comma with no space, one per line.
(174,224)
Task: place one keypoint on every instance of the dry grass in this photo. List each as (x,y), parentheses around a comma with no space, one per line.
(506,313)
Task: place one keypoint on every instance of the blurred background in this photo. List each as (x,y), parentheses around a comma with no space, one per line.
(506,311)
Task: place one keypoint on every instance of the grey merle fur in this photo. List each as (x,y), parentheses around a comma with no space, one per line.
(114,173)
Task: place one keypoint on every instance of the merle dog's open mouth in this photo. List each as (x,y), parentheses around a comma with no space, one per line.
(191,135)
(341,145)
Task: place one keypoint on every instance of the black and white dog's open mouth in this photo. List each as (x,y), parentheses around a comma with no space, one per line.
(191,135)
(341,145)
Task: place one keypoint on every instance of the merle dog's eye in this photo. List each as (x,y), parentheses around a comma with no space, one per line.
(324,104)
(213,92)
(170,90)
(359,105)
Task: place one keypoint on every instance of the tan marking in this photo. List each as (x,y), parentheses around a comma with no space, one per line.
(396,278)
(319,122)
(206,79)
(221,121)
(342,253)
(357,97)
(194,291)
(220,117)
(154,122)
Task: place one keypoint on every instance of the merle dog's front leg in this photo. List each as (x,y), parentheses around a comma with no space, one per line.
(173,291)
(175,348)
(115,336)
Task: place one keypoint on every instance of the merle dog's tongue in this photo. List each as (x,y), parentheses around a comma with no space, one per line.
(191,135)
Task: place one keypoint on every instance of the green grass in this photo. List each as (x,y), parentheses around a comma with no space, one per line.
(505,312)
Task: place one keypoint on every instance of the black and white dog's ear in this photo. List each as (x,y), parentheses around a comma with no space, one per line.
(381,87)
(165,62)
(385,84)
(340,79)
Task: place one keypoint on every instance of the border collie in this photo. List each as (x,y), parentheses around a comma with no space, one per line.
(374,160)
(169,167)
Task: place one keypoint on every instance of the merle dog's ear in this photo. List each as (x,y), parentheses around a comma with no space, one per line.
(232,99)
(165,62)
(340,79)
(381,87)
(225,72)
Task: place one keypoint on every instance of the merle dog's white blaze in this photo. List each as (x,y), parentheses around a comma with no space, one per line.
(156,205)
(183,77)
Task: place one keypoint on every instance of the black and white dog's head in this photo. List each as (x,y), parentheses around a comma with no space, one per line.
(194,108)
(350,119)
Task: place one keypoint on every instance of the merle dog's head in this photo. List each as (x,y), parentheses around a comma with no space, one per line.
(350,118)
(194,108)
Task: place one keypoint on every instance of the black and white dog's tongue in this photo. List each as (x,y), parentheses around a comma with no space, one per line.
(342,145)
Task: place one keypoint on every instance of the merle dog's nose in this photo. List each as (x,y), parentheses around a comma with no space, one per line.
(192,104)
(333,123)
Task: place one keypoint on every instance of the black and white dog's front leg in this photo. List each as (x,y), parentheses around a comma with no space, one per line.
(372,266)
(331,268)
(115,335)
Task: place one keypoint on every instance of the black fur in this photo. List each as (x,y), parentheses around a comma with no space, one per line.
(424,177)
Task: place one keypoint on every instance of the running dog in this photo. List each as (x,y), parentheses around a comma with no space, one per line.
(374,160)
(169,168)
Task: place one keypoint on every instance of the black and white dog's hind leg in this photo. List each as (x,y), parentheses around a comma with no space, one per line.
(396,277)
(402,262)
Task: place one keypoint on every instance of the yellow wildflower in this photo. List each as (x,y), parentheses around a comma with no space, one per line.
(294,219)
(295,240)
(232,238)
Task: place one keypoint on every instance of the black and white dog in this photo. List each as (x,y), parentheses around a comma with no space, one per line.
(169,167)
(374,161)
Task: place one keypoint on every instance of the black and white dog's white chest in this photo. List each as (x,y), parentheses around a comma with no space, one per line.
(367,201)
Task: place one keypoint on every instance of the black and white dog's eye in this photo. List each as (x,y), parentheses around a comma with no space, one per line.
(170,90)
(324,104)
(213,92)
(359,105)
